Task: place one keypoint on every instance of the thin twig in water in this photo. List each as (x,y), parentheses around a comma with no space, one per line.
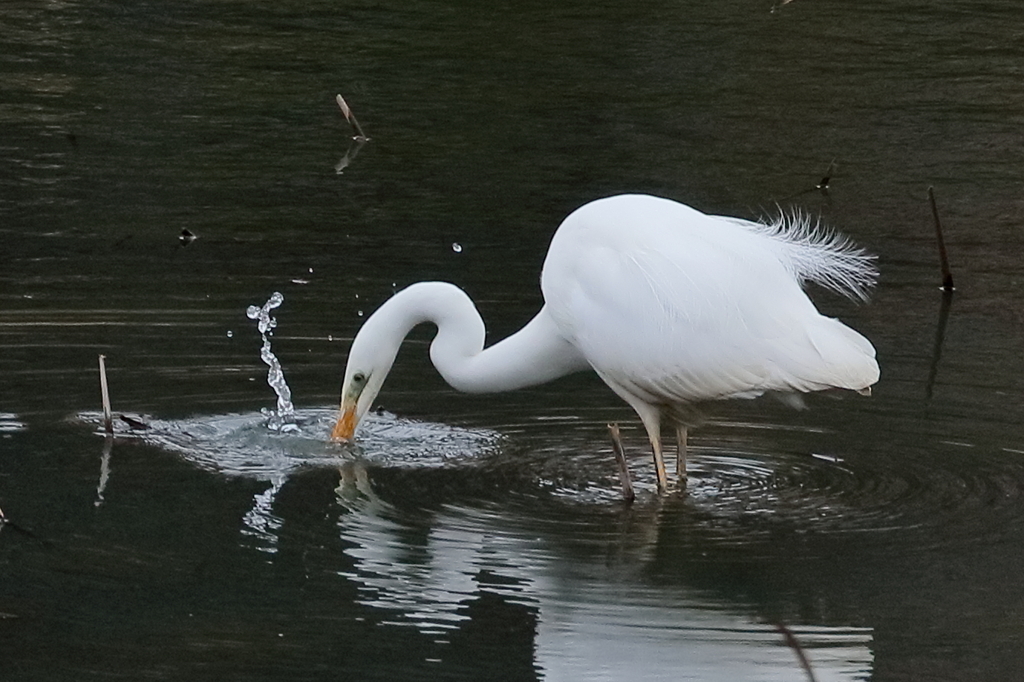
(108,423)
(351,118)
(822,185)
(947,275)
(940,335)
(4,522)
(350,154)
(135,424)
(108,448)
(794,644)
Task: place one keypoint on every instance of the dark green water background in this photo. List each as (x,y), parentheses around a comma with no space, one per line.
(888,532)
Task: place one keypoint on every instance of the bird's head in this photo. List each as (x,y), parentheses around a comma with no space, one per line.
(376,344)
(369,361)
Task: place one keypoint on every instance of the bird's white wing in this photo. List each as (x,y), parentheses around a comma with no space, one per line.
(676,306)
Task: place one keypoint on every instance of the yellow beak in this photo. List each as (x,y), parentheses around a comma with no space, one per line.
(345,429)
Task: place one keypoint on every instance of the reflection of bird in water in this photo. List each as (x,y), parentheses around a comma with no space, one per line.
(668,305)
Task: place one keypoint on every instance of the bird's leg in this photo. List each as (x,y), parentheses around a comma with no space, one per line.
(651,417)
(620,456)
(659,462)
(681,453)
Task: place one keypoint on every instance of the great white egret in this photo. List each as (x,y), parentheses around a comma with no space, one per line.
(668,305)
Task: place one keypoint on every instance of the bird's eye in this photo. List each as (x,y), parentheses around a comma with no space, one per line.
(358,377)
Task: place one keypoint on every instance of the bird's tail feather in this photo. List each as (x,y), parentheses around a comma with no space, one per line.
(818,254)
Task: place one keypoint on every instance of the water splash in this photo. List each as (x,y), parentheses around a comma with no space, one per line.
(241,445)
(283,419)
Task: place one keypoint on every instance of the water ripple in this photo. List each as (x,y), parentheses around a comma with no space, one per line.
(808,494)
(740,491)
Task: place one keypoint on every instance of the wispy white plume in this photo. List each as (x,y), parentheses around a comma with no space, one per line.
(816,253)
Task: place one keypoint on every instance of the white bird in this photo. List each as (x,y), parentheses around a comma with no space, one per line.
(668,305)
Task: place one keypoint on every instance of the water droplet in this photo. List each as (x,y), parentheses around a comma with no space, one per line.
(252,312)
(456,247)
(311,271)
(359,313)
(230,333)
(330,337)
(357,296)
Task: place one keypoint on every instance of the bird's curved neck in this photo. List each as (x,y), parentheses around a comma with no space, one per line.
(535,354)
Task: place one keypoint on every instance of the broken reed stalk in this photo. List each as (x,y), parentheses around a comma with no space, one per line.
(823,185)
(947,275)
(620,456)
(351,118)
(108,422)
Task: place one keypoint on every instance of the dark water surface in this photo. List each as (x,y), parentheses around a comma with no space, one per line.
(482,537)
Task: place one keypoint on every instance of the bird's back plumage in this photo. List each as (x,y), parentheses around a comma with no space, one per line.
(670,305)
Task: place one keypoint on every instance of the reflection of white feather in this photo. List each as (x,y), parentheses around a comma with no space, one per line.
(426,592)
(592,623)
(595,622)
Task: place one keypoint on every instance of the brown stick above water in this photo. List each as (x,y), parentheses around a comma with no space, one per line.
(108,422)
(350,117)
